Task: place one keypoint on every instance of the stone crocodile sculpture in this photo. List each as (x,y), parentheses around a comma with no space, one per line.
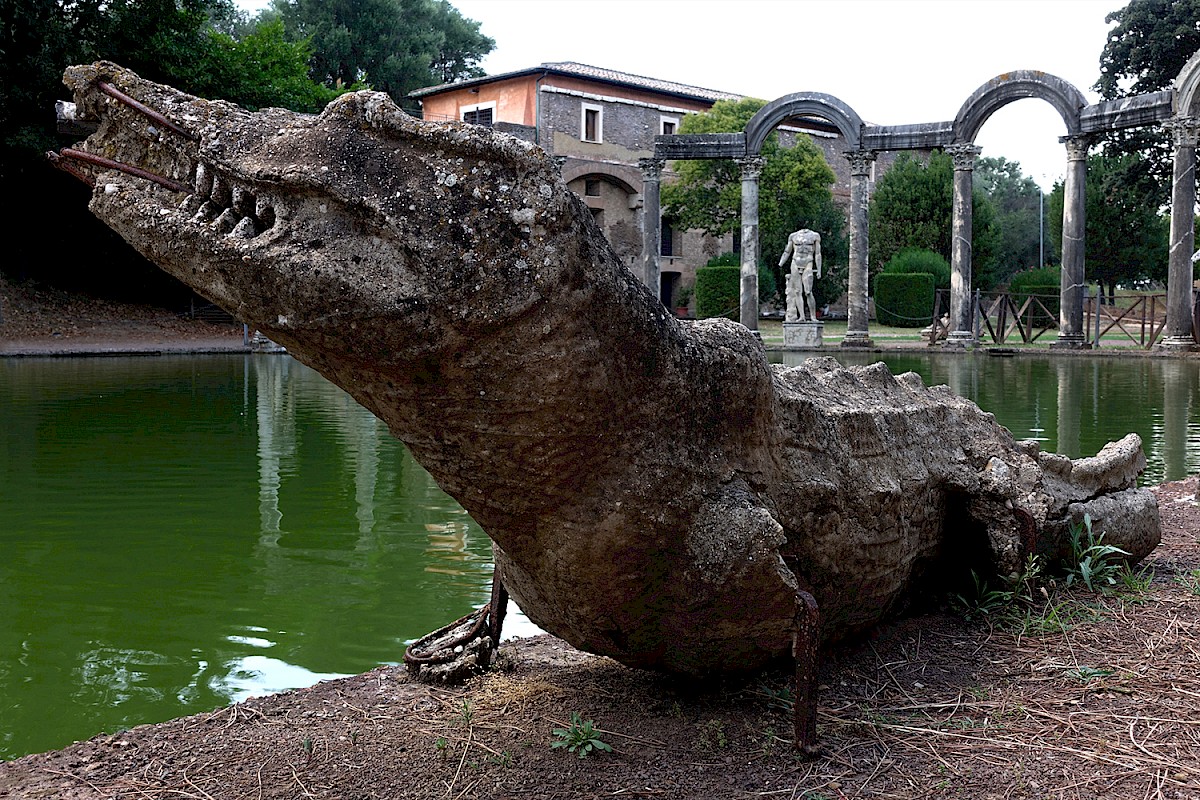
(656,491)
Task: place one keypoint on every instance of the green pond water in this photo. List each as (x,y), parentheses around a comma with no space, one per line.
(179,533)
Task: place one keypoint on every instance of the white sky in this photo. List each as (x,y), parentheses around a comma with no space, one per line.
(892,61)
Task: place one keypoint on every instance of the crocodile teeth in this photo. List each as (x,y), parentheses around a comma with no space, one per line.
(204,180)
(227,221)
(244,229)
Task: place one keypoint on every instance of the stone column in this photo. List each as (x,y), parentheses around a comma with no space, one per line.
(962,327)
(857,325)
(751,170)
(651,221)
(1178,333)
(1073,284)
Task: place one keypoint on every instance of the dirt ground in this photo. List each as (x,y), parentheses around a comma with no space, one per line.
(1079,696)
(42,321)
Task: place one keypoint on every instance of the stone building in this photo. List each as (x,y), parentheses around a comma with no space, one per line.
(599,123)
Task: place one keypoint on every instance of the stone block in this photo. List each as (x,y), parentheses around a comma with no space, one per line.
(803,335)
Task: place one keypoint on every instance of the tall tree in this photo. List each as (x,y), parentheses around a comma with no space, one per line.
(261,68)
(794,193)
(913,206)
(1150,44)
(173,41)
(1018,201)
(1126,236)
(395,46)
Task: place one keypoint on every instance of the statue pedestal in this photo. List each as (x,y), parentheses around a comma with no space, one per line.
(803,335)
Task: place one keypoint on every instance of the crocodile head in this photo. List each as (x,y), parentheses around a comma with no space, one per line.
(298,222)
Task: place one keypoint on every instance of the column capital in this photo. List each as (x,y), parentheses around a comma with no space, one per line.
(964,155)
(1185,131)
(751,166)
(651,168)
(1077,146)
(860,161)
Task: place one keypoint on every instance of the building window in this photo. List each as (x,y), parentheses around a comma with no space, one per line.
(592,129)
(482,114)
(668,125)
(591,187)
(667,241)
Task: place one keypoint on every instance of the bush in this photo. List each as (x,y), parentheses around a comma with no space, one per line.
(725,260)
(1043,283)
(904,300)
(914,260)
(718,292)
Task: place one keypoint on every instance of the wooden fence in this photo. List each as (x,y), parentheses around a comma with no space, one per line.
(1001,318)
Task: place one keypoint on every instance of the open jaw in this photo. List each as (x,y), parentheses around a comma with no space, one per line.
(166,154)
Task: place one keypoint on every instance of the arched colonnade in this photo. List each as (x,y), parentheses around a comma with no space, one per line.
(1177,109)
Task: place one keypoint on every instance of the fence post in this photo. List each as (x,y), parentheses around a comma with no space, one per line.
(975,317)
(1096,308)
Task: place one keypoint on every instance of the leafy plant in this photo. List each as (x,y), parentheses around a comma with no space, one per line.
(1093,563)
(581,738)
(684,295)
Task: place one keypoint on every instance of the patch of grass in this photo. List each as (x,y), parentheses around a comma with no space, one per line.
(581,738)
(1013,595)
(1190,581)
(1134,586)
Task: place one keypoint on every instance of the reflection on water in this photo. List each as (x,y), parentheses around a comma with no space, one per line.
(183,532)
(1072,405)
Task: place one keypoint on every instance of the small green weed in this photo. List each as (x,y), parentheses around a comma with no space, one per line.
(1004,602)
(581,738)
(712,735)
(467,714)
(780,698)
(1135,585)
(1088,674)
(1093,563)
(1190,581)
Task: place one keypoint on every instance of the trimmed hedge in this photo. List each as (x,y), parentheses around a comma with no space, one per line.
(718,292)
(904,300)
(1043,283)
(912,260)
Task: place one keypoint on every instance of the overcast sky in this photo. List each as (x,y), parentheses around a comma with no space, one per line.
(892,61)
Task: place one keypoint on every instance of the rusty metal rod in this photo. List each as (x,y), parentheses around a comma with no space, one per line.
(137,172)
(70,168)
(142,108)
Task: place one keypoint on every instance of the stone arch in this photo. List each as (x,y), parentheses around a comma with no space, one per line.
(1010,86)
(627,177)
(815,104)
(1187,89)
